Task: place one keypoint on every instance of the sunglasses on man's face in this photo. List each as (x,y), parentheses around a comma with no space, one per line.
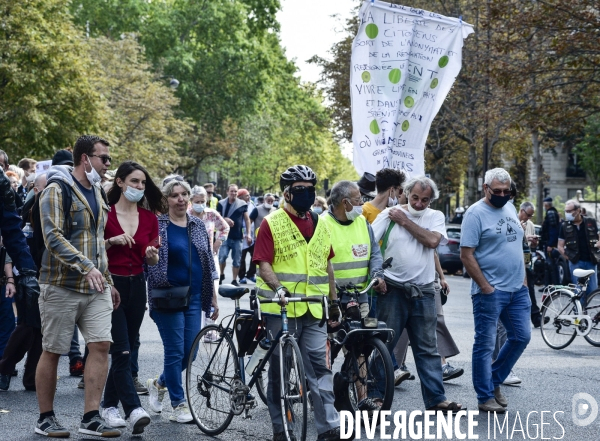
(301,188)
(103,158)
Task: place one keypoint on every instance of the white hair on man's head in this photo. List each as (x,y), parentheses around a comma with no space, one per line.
(198,191)
(525,205)
(425,183)
(499,174)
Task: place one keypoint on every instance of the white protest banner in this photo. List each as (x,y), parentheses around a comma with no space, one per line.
(404,62)
(42,166)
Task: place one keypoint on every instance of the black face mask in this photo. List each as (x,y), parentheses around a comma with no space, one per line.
(499,201)
(302,201)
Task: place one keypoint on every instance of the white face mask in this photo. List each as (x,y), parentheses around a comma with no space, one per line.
(133,194)
(92,176)
(570,217)
(392,202)
(416,213)
(198,208)
(356,211)
(267,206)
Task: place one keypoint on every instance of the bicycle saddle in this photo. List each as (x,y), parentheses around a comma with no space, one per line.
(232,292)
(582,273)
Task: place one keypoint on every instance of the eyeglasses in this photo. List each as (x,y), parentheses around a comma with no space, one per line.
(571,211)
(301,189)
(498,192)
(174,178)
(103,158)
(528,214)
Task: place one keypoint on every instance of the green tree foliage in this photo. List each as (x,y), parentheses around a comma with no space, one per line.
(46,96)
(142,123)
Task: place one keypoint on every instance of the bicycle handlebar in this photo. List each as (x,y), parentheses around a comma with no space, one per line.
(310,299)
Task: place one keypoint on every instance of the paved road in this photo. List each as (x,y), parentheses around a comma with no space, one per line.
(550,380)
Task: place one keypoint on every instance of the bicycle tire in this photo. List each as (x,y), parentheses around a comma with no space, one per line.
(294,392)
(376,363)
(593,309)
(215,362)
(262,384)
(555,333)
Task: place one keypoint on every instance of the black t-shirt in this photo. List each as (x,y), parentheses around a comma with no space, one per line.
(90,195)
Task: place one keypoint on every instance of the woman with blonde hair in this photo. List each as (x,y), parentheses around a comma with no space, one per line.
(186,265)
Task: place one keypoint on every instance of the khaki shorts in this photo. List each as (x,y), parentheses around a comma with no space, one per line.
(61,309)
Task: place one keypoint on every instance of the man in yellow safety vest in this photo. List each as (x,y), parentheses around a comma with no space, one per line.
(357,253)
(293,252)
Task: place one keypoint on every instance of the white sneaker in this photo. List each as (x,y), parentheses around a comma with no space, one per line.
(181,414)
(400,376)
(155,395)
(512,380)
(113,418)
(139,419)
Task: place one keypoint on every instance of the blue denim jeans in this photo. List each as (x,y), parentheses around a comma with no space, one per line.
(236,252)
(593,281)
(373,313)
(418,315)
(513,309)
(7,319)
(177,332)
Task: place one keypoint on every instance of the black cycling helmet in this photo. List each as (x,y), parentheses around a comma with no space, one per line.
(295,174)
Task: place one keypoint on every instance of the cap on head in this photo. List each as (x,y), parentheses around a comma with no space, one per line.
(62,157)
(548,200)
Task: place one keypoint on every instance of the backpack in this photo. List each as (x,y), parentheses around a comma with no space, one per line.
(37,245)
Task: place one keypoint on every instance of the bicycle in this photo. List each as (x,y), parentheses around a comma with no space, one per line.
(366,378)
(216,386)
(563,317)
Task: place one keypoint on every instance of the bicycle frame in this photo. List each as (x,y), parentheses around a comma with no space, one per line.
(577,320)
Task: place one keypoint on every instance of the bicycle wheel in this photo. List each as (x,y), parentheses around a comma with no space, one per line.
(593,310)
(262,383)
(558,334)
(212,367)
(366,378)
(293,389)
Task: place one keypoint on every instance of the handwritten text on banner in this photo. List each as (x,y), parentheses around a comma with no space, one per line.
(404,62)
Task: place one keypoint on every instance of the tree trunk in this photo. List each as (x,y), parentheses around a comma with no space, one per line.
(471,175)
(539,175)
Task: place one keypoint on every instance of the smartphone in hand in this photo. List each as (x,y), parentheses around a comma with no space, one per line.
(153,243)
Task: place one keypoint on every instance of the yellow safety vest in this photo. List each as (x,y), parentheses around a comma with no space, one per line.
(300,267)
(212,203)
(352,248)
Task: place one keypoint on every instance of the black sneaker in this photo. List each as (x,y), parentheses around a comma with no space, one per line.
(235,283)
(332,435)
(50,426)
(280,436)
(5,382)
(221,279)
(98,427)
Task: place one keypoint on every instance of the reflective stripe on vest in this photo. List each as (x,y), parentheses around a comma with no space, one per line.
(352,249)
(300,267)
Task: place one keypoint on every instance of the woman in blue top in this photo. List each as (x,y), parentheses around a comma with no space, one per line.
(178,329)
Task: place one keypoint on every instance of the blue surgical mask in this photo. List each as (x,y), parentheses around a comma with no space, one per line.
(133,194)
(569,217)
(317,210)
(198,208)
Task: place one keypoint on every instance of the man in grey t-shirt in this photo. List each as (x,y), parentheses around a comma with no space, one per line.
(492,252)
